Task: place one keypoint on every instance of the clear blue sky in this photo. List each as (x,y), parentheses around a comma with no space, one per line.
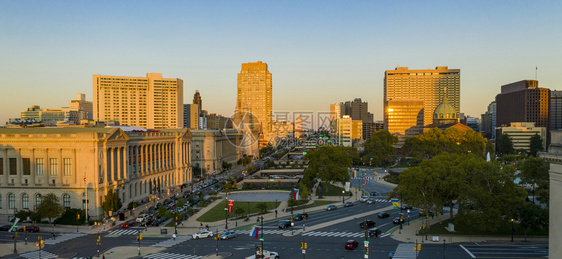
(319,52)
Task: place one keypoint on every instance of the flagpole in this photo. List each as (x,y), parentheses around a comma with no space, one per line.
(86,194)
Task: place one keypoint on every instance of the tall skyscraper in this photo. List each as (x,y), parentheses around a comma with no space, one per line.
(357,110)
(254,98)
(523,101)
(404,118)
(556,110)
(429,86)
(191,116)
(148,102)
(197,100)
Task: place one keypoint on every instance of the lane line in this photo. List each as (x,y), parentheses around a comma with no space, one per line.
(468,252)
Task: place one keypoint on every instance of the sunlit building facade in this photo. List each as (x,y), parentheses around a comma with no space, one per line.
(404,118)
(150,102)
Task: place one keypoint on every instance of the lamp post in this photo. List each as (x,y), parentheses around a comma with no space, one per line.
(226,214)
(342,197)
(512,229)
(16,233)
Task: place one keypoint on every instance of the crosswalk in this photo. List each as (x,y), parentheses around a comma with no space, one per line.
(62,238)
(171,242)
(266,231)
(339,234)
(405,251)
(35,254)
(171,256)
(120,232)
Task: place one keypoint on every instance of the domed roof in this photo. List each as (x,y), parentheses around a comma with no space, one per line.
(445,111)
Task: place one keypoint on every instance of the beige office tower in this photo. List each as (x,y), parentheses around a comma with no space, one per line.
(254,99)
(428,85)
(404,118)
(150,102)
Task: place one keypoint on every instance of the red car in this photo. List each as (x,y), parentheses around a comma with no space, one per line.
(351,244)
(29,229)
(128,224)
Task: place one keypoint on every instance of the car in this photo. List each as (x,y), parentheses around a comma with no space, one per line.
(202,234)
(5,227)
(331,207)
(370,224)
(146,223)
(29,229)
(396,220)
(383,215)
(370,201)
(348,204)
(301,216)
(407,207)
(128,224)
(266,255)
(156,223)
(141,218)
(229,234)
(364,198)
(374,232)
(351,244)
(422,213)
(284,224)
(374,194)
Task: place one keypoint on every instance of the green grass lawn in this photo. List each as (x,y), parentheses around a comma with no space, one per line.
(332,190)
(503,230)
(217,213)
(314,204)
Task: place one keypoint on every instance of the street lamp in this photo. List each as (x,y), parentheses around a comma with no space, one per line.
(512,229)
(16,233)
(226,214)
(342,197)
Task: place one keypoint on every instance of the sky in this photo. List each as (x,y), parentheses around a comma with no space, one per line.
(319,52)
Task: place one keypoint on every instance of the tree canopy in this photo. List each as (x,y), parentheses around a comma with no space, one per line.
(484,191)
(451,140)
(379,149)
(505,145)
(111,202)
(50,207)
(536,145)
(329,163)
(534,171)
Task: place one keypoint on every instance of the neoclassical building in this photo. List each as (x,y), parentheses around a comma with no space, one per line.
(554,157)
(212,147)
(79,162)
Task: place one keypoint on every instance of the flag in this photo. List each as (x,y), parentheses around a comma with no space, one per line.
(395,203)
(295,194)
(230,205)
(254,233)
(367,180)
(354,174)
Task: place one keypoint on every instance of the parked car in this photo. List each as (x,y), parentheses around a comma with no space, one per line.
(348,204)
(370,224)
(374,194)
(370,201)
(284,224)
(422,213)
(331,207)
(396,220)
(374,232)
(5,227)
(128,224)
(351,244)
(229,234)
(383,215)
(202,234)
(301,216)
(29,229)
(407,207)
(266,255)
(364,198)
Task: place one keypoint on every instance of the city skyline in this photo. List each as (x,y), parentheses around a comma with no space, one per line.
(319,53)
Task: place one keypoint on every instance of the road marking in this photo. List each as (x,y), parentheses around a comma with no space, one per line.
(468,252)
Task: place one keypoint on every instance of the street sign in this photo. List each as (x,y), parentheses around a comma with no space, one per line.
(347,186)
(304,251)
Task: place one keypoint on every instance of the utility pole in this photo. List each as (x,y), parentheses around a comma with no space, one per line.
(139,238)
(98,242)
(366,227)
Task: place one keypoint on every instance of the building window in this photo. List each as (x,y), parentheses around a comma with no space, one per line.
(26,166)
(0,201)
(38,200)
(39,168)
(13,166)
(1,166)
(11,201)
(53,166)
(67,167)
(66,201)
(25,201)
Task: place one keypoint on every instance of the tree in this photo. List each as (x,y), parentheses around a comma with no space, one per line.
(162,211)
(379,149)
(532,217)
(180,203)
(50,207)
(505,145)
(262,206)
(329,163)
(535,171)
(111,202)
(536,145)
(226,165)
(196,169)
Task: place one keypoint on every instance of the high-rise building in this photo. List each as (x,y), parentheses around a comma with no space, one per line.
(430,86)
(80,104)
(197,100)
(357,110)
(521,133)
(404,118)
(335,111)
(523,101)
(149,102)
(191,116)
(346,130)
(555,110)
(254,99)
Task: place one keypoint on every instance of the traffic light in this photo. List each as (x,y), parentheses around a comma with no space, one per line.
(302,245)
(78,216)
(42,242)
(140,236)
(291,218)
(305,245)
(24,228)
(366,250)
(261,250)
(99,238)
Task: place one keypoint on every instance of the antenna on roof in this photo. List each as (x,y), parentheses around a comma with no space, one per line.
(536,69)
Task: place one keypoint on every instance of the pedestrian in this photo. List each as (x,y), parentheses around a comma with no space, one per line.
(275,213)
(390,255)
(201,223)
(174,236)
